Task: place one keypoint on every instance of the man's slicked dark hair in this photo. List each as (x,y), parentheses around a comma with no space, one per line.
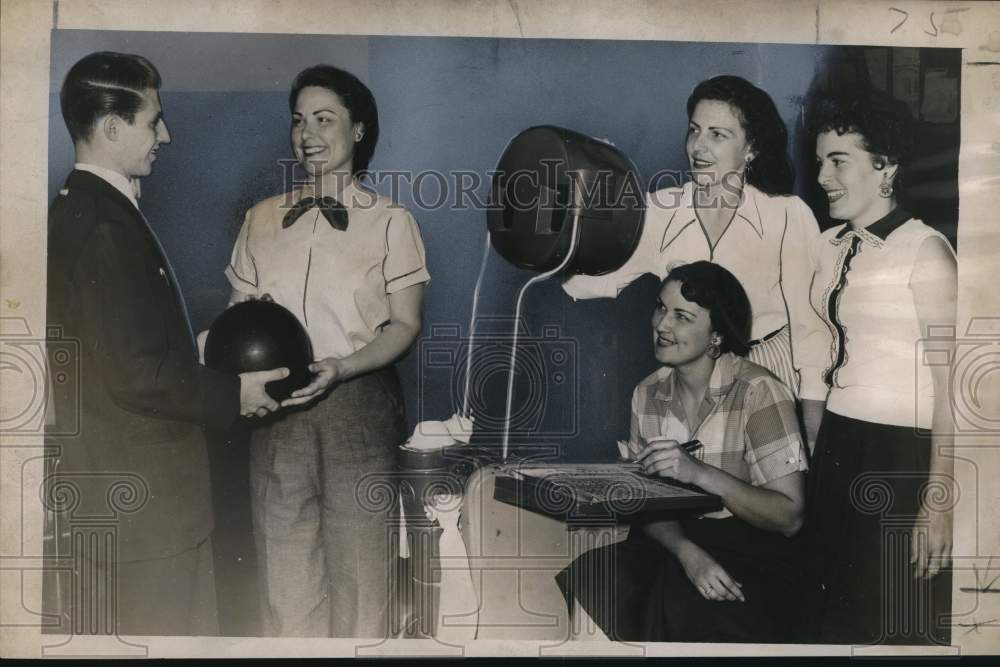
(356,98)
(105,83)
(719,292)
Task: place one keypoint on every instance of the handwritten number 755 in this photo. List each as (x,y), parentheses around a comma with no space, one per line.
(906,15)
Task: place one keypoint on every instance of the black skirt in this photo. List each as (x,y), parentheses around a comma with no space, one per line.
(864,492)
(637,590)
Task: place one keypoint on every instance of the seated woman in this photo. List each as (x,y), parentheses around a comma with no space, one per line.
(725,576)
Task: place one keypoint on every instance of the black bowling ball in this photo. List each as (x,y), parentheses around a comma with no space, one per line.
(258,336)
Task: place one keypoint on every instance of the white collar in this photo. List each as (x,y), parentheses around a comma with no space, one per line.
(114,179)
(748,210)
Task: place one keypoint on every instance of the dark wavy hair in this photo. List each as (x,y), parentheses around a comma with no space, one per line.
(770,171)
(102,84)
(718,291)
(356,98)
(883,123)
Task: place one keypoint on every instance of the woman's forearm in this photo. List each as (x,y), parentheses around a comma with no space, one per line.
(942,462)
(667,533)
(406,309)
(777,508)
(391,343)
(935,293)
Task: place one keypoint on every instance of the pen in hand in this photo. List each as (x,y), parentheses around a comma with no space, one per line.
(629,452)
(692,446)
(656,459)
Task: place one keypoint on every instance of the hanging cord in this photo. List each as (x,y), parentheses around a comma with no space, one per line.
(517,318)
(472,325)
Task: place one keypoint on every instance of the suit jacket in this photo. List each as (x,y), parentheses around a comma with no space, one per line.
(139,455)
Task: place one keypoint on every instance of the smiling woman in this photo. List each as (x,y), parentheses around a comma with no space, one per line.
(323,132)
(738,211)
(350,265)
(727,576)
(884,281)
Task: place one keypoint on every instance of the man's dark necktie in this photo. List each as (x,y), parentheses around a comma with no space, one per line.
(332,210)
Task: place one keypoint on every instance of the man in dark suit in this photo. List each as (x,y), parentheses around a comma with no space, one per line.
(137,464)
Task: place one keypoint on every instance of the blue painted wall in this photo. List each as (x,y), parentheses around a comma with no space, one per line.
(446,104)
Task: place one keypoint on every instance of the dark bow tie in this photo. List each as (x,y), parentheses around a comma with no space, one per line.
(332,210)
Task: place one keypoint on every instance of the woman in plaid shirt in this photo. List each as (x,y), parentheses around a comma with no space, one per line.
(724,576)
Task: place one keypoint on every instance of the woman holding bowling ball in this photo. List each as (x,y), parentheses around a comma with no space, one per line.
(350,265)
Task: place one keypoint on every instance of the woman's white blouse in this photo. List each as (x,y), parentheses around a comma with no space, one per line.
(766,246)
(873,360)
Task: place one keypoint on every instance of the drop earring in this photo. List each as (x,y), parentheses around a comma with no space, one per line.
(713,350)
(885,190)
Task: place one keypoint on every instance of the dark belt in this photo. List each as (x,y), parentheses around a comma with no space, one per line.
(766,338)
